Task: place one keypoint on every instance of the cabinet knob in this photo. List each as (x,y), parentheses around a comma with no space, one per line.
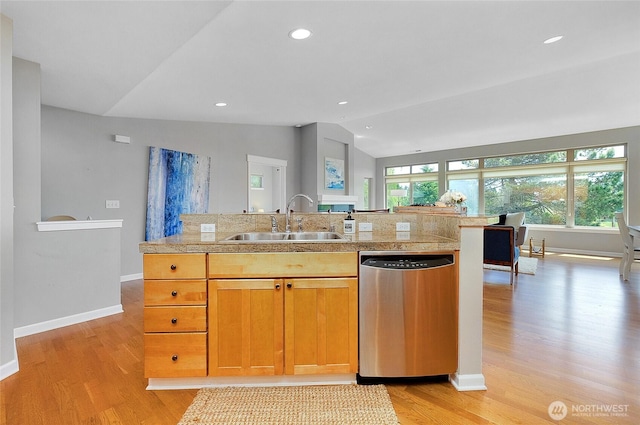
(277,286)
(174,320)
(289,285)
(174,293)
(174,357)
(173,267)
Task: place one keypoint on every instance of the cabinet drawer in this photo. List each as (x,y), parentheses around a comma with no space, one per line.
(175,355)
(174,266)
(289,264)
(175,319)
(175,292)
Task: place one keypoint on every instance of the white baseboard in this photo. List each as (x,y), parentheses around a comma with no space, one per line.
(249,381)
(66,321)
(471,382)
(130,277)
(10,367)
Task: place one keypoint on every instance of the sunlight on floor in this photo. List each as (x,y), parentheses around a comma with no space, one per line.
(590,257)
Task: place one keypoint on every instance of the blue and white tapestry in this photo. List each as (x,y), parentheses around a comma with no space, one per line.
(178,184)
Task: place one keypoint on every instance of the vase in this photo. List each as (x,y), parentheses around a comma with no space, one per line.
(461,209)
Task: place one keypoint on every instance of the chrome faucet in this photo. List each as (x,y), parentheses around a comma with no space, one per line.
(274,224)
(288,212)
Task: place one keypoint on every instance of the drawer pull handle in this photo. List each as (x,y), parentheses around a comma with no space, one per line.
(289,285)
(277,286)
(174,320)
(174,357)
(174,293)
(173,267)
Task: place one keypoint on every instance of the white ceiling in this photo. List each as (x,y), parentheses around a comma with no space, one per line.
(425,75)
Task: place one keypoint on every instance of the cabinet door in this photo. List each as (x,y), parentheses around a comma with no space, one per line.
(245,327)
(321,326)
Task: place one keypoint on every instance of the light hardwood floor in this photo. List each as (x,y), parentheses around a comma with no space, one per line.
(570,333)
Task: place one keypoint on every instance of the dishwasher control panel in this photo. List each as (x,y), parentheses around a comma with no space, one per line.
(406,262)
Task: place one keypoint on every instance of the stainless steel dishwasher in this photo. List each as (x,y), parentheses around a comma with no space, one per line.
(408,315)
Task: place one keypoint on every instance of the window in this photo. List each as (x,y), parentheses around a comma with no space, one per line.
(570,187)
(555,191)
(411,185)
(257,181)
(366,193)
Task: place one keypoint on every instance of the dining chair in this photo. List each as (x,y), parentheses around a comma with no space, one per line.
(629,250)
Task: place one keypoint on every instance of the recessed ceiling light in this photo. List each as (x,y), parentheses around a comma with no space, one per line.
(300,33)
(342,102)
(553,39)
(221,104)
(368,127)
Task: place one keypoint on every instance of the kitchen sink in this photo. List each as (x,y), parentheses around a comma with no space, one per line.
(286,237)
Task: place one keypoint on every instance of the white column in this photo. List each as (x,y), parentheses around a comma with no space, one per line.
(469,375)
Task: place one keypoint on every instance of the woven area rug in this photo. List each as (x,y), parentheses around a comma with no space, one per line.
(526,265)
(323,404)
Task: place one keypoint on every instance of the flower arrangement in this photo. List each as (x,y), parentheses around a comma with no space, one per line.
(451,198)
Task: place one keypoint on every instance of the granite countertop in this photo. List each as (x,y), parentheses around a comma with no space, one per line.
(361,241)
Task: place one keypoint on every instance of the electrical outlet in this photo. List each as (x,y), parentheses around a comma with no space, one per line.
(207,228)
(403,236)
(365,227)
(112,203)
(403,227)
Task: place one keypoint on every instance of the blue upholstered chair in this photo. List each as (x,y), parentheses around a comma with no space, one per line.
(502,242)
(500,248)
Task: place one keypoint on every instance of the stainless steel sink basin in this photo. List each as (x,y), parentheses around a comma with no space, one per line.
(286,237)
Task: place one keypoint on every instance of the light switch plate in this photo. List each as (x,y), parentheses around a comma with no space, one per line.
(207,228)
(403,227)
(365,227)
(112,203)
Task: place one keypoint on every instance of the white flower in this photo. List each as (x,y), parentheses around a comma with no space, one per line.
(450,197)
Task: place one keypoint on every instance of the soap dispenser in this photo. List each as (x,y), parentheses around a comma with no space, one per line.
(349,224)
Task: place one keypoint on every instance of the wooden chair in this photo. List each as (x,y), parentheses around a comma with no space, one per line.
(629,251)
(61,218)
(385,210)
(500,248)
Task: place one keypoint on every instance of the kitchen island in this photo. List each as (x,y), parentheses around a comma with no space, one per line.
(240,318)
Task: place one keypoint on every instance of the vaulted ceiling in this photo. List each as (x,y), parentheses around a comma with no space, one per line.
(416,76)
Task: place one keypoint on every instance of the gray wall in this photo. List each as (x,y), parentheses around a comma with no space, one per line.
(573,240)
(82,166)
(364,167)
(8,360)
(319,141)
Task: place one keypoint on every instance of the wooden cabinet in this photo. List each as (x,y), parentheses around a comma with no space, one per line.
(246,335)
(288,317)
(175,315)
(321,326)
